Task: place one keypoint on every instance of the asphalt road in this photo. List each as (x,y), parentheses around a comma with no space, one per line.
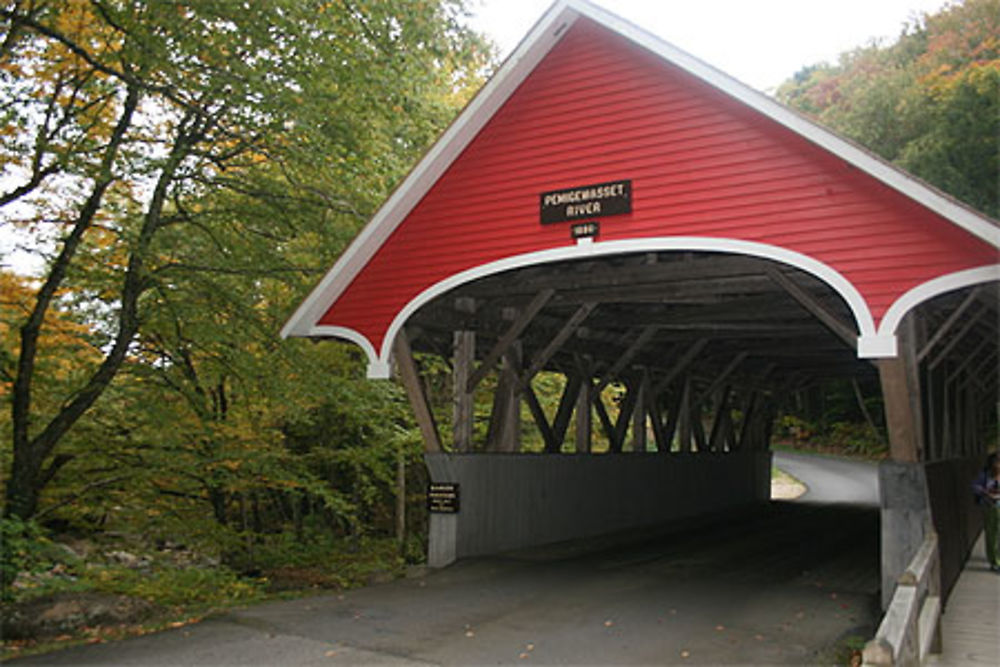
(830,480)
(783,585)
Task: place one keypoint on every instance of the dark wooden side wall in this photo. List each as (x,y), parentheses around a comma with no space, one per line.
(957,519)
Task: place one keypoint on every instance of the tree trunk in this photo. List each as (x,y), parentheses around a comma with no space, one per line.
(27,477)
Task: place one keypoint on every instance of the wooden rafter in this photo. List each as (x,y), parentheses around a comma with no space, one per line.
(815,306)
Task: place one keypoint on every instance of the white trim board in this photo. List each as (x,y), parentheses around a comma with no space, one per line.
(539,41)
(932,288)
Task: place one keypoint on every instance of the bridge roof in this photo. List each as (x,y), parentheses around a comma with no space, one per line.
(710,166)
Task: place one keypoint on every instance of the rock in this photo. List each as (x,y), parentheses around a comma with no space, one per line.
(66,613)
(73,551)
(417,571)
(380,577)
(129,560)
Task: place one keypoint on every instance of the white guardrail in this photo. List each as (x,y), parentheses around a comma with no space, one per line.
(911,628)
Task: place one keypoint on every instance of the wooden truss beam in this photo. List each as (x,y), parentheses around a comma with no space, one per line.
(969,323)
(543,356)
(504,431)
(551,443)
(565,411)
(510,336)
(721,378)
(815,306)
(415,392)
(627,356)
(680,365)
(949,323)
(625,416)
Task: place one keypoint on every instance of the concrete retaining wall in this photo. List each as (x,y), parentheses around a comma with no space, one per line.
(512,501)
(916,496)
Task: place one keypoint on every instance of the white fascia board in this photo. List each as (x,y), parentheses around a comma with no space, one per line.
(926,291)
(976,224)
(539,41)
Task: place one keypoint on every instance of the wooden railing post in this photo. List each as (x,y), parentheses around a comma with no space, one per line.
(910,629)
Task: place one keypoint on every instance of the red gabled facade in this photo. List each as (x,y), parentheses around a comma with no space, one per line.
(599,107)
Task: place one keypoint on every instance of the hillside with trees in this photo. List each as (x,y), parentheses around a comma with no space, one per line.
(929,102)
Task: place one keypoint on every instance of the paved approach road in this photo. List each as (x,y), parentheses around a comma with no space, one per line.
(831,480)
(783,585)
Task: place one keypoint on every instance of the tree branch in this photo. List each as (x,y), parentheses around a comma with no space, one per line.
(76,496)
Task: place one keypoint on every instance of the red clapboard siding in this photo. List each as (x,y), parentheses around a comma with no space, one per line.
(599,108)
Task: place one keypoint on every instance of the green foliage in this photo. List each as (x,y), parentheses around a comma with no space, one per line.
(853,439)
(188,587)
(23,548)
(930,102)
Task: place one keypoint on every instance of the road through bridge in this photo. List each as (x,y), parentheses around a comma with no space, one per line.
(787,583)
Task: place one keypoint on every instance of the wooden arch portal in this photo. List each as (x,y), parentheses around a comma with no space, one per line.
(610,208)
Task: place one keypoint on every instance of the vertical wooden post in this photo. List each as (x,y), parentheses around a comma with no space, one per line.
(908,346)
(509,436)
(584,414)
(639,414)
(410,377)
(722,424)
(899,418)
(901,395)
(684,416)
(464,348)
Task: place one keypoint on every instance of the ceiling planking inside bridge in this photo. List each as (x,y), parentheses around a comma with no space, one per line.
(653,311)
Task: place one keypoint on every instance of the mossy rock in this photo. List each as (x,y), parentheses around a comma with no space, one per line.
(60,614)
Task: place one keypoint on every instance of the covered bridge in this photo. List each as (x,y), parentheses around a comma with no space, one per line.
(611,209)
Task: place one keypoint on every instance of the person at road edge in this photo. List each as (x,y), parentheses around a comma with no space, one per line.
(986,488)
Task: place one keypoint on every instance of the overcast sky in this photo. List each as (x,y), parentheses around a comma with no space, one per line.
(759,42)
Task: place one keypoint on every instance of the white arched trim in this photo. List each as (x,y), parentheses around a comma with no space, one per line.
(376,369)
(840,284)
(932,288)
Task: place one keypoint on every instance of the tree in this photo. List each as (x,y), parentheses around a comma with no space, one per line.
(930,102)
(123,123)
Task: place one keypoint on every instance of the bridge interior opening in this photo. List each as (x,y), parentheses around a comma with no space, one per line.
(675,351)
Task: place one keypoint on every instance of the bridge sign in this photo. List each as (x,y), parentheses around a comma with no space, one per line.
(442,498)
